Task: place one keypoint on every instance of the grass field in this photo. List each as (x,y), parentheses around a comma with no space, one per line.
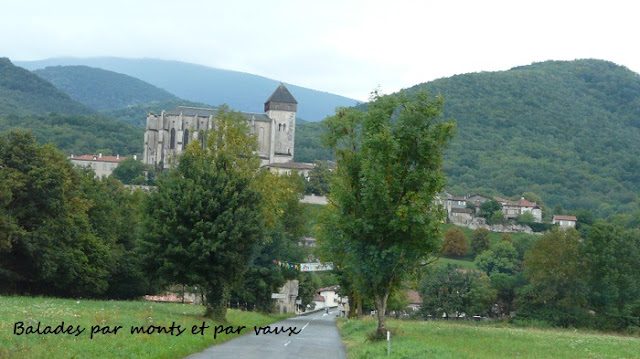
(439,339)
(466,264)
(87,313)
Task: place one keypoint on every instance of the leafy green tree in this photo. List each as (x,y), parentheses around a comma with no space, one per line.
(382,218)
(205,217)
(506,237)
(496,218)
(480,241)
(506,286)
(115,215)
(130,171)
(501,258)
(319,178)
(284,227)
(47,243)
(451,291)
(481,296)
(558,279)
(488,208)
(455,243)
(613,257)
(525,218)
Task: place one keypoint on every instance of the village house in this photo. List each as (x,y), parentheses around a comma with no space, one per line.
(103,166)
(513,209)
(565,221)
(330,295)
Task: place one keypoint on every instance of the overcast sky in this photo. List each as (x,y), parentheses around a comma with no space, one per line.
(343,47)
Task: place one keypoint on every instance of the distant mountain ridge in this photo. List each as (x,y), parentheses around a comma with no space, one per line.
(23,93)
(102,89)
(241,91)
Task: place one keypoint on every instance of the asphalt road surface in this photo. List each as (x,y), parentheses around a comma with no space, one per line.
(318,337)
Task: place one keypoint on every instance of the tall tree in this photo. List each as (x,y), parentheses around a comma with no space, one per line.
(455,243)
(382,200)
(480,241)
(47,243)
(205,216)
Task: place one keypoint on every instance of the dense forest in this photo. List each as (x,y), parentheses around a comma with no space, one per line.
(29,102)
(23,93)
(567,131)
(102,89)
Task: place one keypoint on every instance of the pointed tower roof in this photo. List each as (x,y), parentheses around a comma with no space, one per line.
(281,94)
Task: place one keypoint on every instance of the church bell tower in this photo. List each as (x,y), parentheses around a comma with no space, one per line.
(281,108)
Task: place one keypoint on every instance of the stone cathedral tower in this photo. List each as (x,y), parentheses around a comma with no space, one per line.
(168,133)
(281,107)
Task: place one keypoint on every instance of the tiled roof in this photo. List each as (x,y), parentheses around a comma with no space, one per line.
(558,217)
(334,288)
(97,158)
(281,94)
(524,203)
(414,297)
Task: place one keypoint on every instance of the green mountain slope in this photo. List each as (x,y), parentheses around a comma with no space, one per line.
(101,89)
(239,90)
(79,134)
(28,102)
(22,92)
(568,131)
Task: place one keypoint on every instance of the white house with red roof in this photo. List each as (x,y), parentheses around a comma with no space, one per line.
(513,209)
(565,221)
(101,165)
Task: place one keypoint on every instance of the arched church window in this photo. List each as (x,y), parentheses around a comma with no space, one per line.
(284,127)
(201,138)
(185,139)
(172,141)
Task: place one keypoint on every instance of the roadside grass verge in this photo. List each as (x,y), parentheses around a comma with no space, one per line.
(440,339)
(124,344)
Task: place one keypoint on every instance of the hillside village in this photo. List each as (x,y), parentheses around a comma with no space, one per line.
(465,211)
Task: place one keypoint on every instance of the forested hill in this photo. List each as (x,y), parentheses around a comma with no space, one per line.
(568,131)
(101,89)
(23,93)
(29,102)
(241,91)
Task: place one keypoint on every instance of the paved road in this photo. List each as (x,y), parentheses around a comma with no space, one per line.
(318,339)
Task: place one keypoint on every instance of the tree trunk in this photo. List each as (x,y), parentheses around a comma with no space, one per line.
(359,313)
(216,308)
(381,307)
(352,304)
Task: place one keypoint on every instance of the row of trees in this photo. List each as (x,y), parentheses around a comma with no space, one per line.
(215,221)
(560,278)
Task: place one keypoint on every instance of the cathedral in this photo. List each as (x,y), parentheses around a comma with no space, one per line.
(168,133)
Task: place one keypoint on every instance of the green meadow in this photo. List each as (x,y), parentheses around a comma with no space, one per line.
(441,339)
(82,313)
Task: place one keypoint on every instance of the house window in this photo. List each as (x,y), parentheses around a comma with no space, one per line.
(172,141)
(185,139)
